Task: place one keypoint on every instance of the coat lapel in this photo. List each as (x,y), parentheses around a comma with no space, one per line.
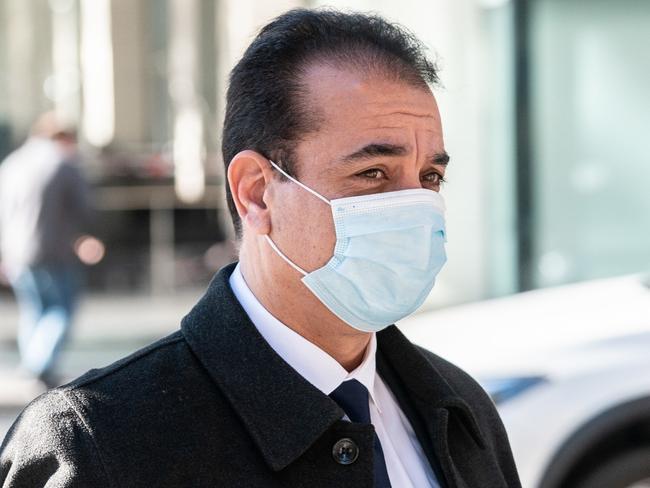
(427,400)
(281,410)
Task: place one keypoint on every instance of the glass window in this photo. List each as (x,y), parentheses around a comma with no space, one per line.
(590,113)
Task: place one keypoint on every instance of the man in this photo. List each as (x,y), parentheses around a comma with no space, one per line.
(288,372)
(43,211)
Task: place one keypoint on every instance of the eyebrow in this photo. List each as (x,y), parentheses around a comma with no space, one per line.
(380,149)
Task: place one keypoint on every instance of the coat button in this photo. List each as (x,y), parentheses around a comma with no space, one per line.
(345,451)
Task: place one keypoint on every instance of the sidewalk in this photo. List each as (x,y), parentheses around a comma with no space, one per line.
(107,327)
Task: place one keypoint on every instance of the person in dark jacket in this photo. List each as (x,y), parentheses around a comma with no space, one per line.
(44,211)
(289,371)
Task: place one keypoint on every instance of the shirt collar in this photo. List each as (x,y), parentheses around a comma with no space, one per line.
(309,360)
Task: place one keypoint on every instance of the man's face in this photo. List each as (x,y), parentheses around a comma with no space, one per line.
(376,136)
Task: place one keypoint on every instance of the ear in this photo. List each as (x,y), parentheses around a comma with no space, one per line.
(249,173)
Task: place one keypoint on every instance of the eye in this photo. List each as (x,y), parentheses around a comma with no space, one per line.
(372,174)
(435,179)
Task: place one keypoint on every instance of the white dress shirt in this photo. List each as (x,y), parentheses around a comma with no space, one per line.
(406,462)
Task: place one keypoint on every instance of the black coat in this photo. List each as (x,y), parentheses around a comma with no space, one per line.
(213,405)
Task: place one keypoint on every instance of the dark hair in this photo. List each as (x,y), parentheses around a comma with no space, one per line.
(266,106)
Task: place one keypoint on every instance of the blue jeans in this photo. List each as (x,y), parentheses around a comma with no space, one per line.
(47,296)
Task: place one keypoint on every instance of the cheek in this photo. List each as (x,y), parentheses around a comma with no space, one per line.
(319,238)
(305,231)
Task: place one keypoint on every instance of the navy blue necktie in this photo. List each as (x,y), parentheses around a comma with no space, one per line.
(352,397)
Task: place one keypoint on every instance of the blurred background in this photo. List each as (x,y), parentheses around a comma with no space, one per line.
(546,112)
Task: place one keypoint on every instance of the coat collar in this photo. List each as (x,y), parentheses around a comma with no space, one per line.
(425,385)
(282,411)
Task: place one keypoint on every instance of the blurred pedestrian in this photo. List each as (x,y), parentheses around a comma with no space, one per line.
(43,210)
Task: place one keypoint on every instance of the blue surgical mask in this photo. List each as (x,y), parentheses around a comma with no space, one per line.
(389,249)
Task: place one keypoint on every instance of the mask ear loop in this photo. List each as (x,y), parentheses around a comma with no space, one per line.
(303,186)
(282,255)
(266,236)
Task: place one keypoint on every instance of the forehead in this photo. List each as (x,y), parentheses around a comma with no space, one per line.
(352,105)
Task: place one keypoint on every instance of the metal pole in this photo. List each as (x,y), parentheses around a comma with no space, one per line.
(524,192)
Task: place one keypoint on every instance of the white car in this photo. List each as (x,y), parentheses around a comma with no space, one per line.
(569,370)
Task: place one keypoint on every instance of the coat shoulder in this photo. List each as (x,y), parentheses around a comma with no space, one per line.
(116,414)
(158,378)
(50,442)
(132,366)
